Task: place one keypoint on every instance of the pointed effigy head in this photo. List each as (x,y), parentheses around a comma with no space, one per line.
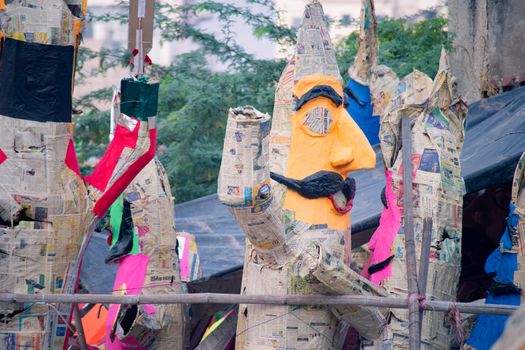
(442,90)
(443,98)
(312,132)
(366,57)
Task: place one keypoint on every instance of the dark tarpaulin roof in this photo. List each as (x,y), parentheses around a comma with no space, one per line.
(220,240)
(495,139)
(97,276)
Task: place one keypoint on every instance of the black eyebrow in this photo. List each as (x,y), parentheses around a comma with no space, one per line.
(350,94)
(317,91)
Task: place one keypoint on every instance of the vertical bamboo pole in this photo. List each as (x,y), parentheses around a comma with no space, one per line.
(423,263)
(80,328)
(410,247)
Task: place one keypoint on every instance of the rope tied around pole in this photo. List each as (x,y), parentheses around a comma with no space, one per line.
(454,318)
(420,298)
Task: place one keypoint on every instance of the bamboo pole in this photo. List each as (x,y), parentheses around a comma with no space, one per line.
(414,337)
(423,263)
(425,253)
(217,298)
(80,328)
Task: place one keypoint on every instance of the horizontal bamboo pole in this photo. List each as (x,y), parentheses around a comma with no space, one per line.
(217,298)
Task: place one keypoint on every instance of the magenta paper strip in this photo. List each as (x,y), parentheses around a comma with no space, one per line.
(381,242)
(130,280)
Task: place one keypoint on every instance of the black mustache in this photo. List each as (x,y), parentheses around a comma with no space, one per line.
(320,184)
(380,265)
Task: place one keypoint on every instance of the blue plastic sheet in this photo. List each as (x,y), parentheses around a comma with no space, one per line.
(489,328)
(361,111)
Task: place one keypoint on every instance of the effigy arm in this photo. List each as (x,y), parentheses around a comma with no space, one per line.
(331,276)
(244,184)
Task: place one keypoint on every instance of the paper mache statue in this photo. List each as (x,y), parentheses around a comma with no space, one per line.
(46,207)
(506,265)
(437,119)
(286,182)
(146,250)
(298,226)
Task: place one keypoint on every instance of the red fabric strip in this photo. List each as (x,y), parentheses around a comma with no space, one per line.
(71,158)
(100,177)
(3,157)
(112,193)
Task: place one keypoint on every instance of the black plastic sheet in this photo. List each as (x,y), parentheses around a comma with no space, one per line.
(35,81)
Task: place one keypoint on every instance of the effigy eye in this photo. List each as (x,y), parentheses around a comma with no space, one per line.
(319,120)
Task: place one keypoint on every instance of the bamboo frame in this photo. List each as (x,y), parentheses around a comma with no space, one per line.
(80,328)
(414,337)
(423,263)
(218,298)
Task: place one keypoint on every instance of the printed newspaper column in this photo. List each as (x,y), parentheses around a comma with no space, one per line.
(289,190)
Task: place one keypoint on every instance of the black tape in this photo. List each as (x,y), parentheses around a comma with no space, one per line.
(498,287)
(35,81)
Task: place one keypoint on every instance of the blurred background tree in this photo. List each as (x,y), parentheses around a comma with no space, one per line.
(194,98)
(403,45)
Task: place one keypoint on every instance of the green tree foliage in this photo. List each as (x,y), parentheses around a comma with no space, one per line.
(403,46)
(194,106)
(194,99)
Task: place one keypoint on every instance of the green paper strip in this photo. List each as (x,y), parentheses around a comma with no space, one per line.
(116,212)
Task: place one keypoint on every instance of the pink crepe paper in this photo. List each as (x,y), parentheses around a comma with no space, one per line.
(381,242)
(130,280)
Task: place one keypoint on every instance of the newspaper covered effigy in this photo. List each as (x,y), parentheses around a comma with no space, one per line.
(437,133)
(151,206)
(152,236)
(437,120)
(507,266)
(513,337)
(45,206)
(386,93)
(298,223)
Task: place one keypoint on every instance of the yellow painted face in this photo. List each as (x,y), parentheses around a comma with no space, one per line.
(323,137)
